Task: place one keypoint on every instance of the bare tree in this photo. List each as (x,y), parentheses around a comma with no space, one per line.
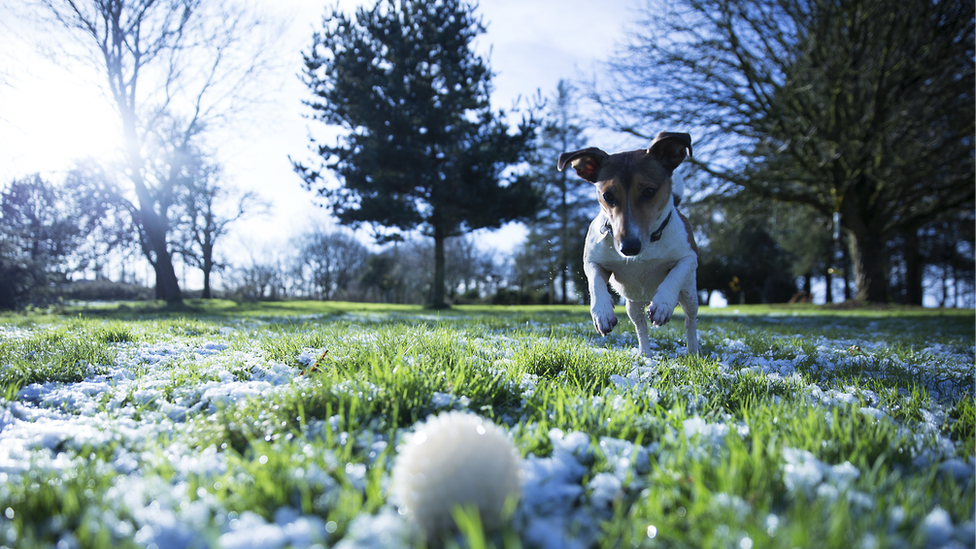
(329,263)
(862,110)
(263,279)
(208,210)
(105,216)
(49,232)
(536,267)
(187,66)
(471,270)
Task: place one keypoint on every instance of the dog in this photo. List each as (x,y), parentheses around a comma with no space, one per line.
(640,243)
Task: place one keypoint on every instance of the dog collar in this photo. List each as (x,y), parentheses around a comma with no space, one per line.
(655,236)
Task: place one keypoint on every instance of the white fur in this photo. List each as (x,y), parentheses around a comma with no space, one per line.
(678,186)
(660,273)
(660,277)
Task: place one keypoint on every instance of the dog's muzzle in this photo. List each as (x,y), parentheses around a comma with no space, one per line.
(630,247)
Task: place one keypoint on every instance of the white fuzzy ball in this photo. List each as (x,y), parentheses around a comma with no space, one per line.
(455,458)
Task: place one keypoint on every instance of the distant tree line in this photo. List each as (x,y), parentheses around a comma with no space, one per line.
(55,237)
(53,234)
(331,264)
(48,232)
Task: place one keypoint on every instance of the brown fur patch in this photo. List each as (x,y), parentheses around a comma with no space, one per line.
(627,176)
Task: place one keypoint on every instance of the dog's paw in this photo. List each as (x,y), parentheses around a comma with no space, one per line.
(603,320)
(660,313)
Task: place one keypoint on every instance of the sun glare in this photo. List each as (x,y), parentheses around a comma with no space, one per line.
(54,118)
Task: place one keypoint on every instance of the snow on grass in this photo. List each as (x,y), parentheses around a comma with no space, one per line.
(282,433)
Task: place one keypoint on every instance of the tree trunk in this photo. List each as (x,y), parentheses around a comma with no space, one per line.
(564,276)
(829,275)
(564,236)
(845,251)
(913,268)
(437,292)
(205,294)
(167,284)
(945,286)
(957,291)
(208,265)
(153,224)
(867,256)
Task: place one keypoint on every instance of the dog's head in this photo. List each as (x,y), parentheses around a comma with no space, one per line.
(634,188)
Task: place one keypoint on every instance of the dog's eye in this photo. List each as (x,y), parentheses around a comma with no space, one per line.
(648,193)
(609,198)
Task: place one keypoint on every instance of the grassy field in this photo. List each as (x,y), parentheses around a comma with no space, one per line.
(277,425)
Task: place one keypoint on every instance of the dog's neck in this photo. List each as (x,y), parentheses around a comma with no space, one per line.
(655,236)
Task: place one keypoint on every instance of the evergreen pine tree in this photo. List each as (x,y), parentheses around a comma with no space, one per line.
(419,145)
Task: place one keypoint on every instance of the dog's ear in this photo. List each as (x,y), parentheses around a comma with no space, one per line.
(587,162)
(670,149)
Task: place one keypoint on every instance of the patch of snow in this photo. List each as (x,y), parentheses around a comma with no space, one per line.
(447,400)
(136,400)
(289,529)
(604,489)
(938,528)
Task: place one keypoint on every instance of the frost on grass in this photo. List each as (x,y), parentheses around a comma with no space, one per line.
(803,473)
(134,429)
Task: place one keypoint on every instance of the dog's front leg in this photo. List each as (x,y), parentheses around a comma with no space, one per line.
(635,310)
(601,303)
(666,296)
(688,298)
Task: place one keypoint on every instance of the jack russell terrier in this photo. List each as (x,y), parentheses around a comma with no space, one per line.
(640,243)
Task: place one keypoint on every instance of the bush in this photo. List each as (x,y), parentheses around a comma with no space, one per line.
(505,296)
(104,290)
(16,282)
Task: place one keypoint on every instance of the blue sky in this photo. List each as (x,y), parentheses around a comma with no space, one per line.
(52,114)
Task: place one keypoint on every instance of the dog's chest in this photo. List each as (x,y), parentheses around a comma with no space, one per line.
(637,278)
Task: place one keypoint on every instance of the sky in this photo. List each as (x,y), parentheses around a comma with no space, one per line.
(51,115)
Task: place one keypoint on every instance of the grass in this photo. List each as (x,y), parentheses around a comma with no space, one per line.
(797,426)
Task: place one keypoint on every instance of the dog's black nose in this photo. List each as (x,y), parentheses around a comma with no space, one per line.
(630,246)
